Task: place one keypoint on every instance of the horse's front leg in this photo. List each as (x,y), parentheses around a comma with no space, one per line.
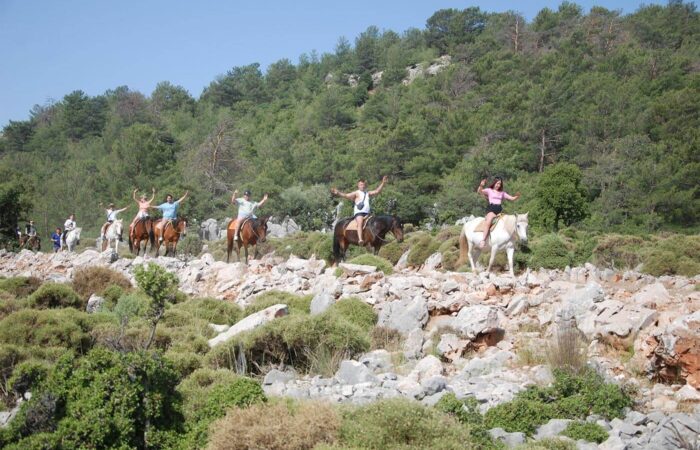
(245,250)
(509,251)
(494,250)
(473,252)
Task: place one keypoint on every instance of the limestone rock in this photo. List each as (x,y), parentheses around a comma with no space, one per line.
(94,304)
(252,321)
(321,302)
(404,315)
(353,372)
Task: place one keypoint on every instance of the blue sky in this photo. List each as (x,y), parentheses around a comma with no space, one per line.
(49,48)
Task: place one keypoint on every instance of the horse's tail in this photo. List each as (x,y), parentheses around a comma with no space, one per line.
(131,244)
(463,248)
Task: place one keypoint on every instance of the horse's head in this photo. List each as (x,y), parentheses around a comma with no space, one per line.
(182,226)
(397,229)
(521,226)
(260,228)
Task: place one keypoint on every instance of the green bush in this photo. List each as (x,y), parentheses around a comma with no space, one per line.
(550,252)
(55,295)
(422,246)
(131,306)
(112,294)
(466,411)
(190,246)
(376,261)
(401,423)
(675,255)
(65,328)
(102,400)
(292,340)
(548,444)
(94,280)
(20,287)
(297,304)
(591,432)
(304,245)
(211,310)
(355,311)
(519,415)
(393,251)
(27,375)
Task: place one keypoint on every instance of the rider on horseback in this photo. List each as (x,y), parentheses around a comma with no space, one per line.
(111,217)
(246,209)
(30,229)
(144,206)
(360,199)
(68,226)
(495,195)
(169,209)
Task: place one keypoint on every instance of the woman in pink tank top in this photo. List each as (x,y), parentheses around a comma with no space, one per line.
(495,195)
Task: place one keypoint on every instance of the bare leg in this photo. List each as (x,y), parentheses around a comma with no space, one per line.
(487,228)
(237,229)
(359,220)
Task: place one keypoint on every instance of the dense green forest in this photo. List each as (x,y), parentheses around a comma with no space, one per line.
(608,102)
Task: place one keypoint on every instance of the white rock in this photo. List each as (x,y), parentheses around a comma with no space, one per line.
(252,321)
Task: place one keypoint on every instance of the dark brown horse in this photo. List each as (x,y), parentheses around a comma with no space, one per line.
(168,234)
(32,242)
(141,232)
(251,232)
(374,234)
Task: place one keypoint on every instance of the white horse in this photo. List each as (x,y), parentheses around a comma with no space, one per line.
(503,236)
(113,234)
(72,238)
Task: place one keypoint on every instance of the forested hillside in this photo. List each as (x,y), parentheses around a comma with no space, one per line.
(615,95)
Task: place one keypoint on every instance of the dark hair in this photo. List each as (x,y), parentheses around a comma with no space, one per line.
(496,180)
(361,180)
(168,195)
(58,228)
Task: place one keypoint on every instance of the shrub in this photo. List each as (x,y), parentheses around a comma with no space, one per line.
(296,304)
(55,295)
(568,351)
(291,340)
(20,287)
(131,306)
(27,375)
(304,245)
(210,310)
(549,444)
(618,251)
(422,246)
(550,252)
(355,311)
(375,261)
(184,362)
(279,426)
(466,411)
(66,328)
(393,251)
(94,280)
(190,246)
(103,400)
(401,423)
(386,338)
(591,432)
(520,414)
(111,294)
(676,255)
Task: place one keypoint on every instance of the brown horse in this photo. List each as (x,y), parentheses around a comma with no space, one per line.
(251,232)
(169,234)
(141,232)
(32,242)
(373,234)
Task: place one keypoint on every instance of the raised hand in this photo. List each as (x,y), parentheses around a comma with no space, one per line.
(385,178)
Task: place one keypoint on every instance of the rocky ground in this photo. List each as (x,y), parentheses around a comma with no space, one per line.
(478,335)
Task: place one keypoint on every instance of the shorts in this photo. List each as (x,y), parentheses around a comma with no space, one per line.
(363,214)
(142,215)
(496,209)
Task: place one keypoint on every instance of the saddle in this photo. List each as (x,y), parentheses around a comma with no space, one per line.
(352,225)
(482,226)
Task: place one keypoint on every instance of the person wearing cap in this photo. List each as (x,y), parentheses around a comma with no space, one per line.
(30,229)
(246,208)
(111,217)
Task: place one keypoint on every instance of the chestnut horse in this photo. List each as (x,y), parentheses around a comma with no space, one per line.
(251,232)
(373,234)
(169,234)
(141,232)
(32,242)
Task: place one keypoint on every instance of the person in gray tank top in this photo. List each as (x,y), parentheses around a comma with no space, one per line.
(360,199)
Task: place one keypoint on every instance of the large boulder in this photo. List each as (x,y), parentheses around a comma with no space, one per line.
(209,230)
(404,315)
(676,351)
(353,372)
(578,305)
(476,319)
(251,322)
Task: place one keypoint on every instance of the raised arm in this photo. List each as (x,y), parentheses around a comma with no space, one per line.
(182,199)
(233,197)
(380,187)
(262,202)
(480,189)
(350,196)
(511,197)
(133,195)
(122,210)
(153,195)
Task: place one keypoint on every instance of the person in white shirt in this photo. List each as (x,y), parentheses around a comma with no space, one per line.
(111,217)
(246,208)
(360,199)
(68,225)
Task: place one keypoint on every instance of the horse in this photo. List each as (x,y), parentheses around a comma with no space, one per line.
(169,234)
(33,242)
(113,234)
(72,238)
(252,231)
(374,232)
(142,231)
(503,236)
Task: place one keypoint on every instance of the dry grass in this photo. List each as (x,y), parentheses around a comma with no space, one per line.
(94,280)
(280,426)
(325,361)
(530,354)
(386,338)
(568,350)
